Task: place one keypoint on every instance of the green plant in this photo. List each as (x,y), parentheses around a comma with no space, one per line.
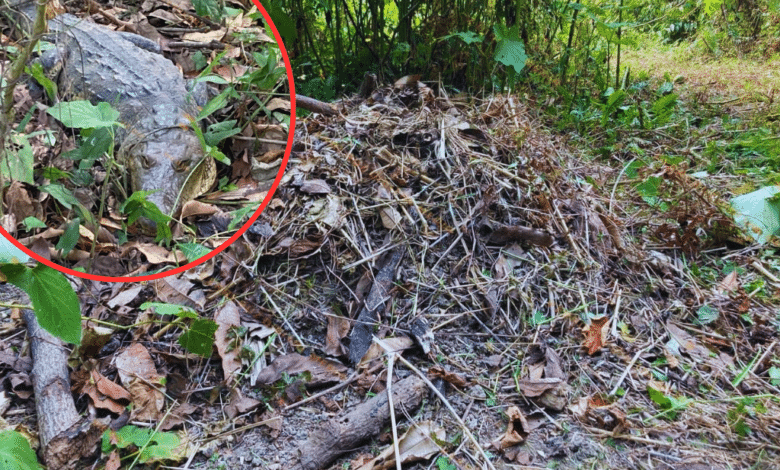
(669,403)
(53,299)
(148,445)
(198,336)
(15,452)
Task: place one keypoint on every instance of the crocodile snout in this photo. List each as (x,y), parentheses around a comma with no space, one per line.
(166,166)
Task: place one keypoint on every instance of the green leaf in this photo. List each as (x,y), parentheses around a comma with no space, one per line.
(240,214)
(84,115)
(220,131)
(469,37)
(69,239)
(649,187)
(215,104)
(15,452)
(61,194)
(40,76)
(95,144)
(208,8)
(137,206)
(154,446)
(55,303)
(758,214)
(54,173)
(706,315)
(193,251)
(170,309)
(510,49)
(774,376)
(18,165)
(199,339)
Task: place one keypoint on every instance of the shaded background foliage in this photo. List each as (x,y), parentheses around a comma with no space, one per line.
(573,46)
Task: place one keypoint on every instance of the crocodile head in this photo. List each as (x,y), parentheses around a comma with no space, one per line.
(173,165)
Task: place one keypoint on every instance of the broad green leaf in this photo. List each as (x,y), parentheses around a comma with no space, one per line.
(18,165)
(70,237)
(649,187)
(758,214)
(193,251)
(774,376)
(208,8)
(94,144)
(84,115)
(510,50)
(469,37)
(706,315)
(154,446)
(137,206)
(215,104)
(61,194)
(31,223)
(15,452)
(54,301)
(240,214)
(170,309)
(199,339)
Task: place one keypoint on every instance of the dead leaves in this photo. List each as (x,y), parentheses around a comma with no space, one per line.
(144,384)
(596,334)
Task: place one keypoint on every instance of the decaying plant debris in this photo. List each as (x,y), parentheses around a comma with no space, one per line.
(563,333)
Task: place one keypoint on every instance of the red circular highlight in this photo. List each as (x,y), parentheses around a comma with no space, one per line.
(228,242)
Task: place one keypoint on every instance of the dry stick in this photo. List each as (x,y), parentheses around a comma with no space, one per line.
(450,408)
(390,362)
(628,368)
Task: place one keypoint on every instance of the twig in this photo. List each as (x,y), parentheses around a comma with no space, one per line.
(390,362)
(451,410)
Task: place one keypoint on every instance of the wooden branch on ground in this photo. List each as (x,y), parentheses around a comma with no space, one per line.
(343,434)
(65,436)
(315,106)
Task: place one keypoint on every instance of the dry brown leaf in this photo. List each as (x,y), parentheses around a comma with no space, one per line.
(239,404)
(728,284)
(397,344)
(140,378)
(416,444)
(104,393)
(552,367)
(207,37)
(536,387)
(456,380)
(156,254)
(198,209)
(315,187)
(126,296)
(391,218)
(179,291)
(516,431)
(338,328)
(322,370)
(227,317)
(596,334)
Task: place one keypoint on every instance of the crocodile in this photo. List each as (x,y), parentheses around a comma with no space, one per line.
(158,147)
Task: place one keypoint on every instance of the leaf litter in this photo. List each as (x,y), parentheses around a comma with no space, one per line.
(561,322)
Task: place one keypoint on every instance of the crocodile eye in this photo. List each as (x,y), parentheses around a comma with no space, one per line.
(181,165)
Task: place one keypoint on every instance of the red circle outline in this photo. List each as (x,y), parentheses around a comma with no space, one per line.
(228,242)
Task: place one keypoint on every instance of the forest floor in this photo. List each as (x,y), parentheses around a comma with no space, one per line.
(554,315)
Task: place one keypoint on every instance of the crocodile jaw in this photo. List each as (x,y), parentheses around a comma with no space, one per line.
(163,164)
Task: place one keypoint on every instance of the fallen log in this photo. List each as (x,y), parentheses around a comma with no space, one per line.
(64,435)
(342,434)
